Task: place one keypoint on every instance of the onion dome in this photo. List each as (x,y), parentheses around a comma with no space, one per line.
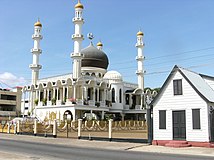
(38,23)
(99,44)
(113,76)
(79,5)
(140,33)
(93,57)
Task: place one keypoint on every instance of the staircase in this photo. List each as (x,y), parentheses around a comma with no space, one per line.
(178,144)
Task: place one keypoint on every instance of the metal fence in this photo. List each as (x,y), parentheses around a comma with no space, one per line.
(111,130)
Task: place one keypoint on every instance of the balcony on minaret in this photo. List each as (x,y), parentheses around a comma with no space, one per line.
(140,72)
(35,66)
(140,58)
(36,50)
(77,36)
(37,36)
(78,19)
(73,55)
(139,44)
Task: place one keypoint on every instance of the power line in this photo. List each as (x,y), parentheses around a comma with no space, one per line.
(180,53)
(167,55)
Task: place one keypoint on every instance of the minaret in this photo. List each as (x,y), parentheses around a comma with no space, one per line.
(36,51)
(140,58)
(99,45)
(77,38)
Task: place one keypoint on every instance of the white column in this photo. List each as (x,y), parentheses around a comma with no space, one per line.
(86,92)
(102,115)
(54,92)
(104,96)
(67,93)
(93,93)
(63,94)
(82,88)
(45,94)
(57,93)
(39,95)
(74,93)
(48,98)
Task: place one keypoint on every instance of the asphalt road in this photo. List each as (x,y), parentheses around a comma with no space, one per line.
(42,151)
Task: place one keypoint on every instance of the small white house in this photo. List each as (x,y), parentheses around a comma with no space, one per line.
(183,110)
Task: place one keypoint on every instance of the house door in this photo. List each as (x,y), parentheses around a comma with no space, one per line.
(179,125)
(212,125)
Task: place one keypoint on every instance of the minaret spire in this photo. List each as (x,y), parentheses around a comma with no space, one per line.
(77,38)
(140,58)
(36,51)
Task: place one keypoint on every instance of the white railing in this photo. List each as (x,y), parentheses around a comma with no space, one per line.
(91,103)
(102,103)
(138,107)
(49,103)
(79,102)
(126,107)
(40,104)
(58,102)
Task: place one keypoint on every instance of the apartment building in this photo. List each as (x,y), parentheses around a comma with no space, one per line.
(10,103)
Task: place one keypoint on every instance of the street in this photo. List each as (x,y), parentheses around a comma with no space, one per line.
(42,151)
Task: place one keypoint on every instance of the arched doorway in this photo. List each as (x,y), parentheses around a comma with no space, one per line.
(68,116)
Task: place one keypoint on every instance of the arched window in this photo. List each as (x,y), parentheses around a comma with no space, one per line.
(120,96)
(113,95)
(96,95)
(93,74)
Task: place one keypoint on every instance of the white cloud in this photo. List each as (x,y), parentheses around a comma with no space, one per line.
(8,80)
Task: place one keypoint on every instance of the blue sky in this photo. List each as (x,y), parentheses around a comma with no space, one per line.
(176,32)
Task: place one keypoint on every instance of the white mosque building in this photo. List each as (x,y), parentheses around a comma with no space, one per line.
(91,89)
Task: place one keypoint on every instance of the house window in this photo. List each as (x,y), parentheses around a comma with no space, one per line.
(177,87)
(113,96)
(196,119)
(162,119)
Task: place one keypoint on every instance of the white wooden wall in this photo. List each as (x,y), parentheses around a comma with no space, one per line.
(188,101)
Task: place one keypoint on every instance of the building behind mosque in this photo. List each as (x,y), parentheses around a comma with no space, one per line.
(91,90)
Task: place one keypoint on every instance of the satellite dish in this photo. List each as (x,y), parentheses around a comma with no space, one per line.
(90,36)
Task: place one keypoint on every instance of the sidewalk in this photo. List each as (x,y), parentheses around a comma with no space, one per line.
(111,145)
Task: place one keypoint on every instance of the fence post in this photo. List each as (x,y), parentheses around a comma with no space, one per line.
(18,127)
(110,129)
(55,129)
(8,128)
(79,128)
(35,127)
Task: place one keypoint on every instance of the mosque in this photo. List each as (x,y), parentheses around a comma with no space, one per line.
(91,90)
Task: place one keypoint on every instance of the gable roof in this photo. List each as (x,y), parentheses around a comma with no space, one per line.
(195,80)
